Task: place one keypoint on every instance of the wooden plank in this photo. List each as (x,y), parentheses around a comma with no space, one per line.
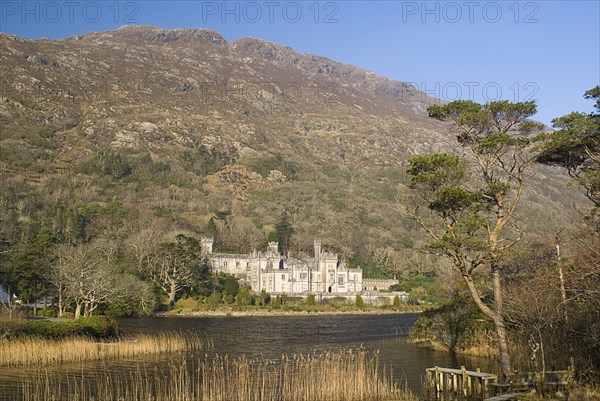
(459,372)
(463,382)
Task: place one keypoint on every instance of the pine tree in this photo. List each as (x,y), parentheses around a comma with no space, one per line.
(284,232)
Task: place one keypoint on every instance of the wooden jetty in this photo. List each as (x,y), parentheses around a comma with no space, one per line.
(485,386)
(460,381)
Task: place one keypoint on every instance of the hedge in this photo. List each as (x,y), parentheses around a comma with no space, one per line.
(95,326)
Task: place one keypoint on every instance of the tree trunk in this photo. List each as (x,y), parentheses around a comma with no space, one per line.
(563,295)
(11,305)
(60,301)
(172,292)
(499,325)
(77,310)
(172,296)
(503,349)
(89,310)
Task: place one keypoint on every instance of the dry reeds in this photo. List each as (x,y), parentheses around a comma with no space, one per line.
(33,351)
(342,375)
(331,376)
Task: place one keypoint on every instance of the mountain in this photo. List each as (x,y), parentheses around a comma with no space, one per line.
(182,125)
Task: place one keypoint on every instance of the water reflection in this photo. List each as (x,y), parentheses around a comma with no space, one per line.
(268,336)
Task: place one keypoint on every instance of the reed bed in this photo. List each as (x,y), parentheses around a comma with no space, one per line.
(331,376)
(33,351)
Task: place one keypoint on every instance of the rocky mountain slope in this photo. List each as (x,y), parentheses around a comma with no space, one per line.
(182,124)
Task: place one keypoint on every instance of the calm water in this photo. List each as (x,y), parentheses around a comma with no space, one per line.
(269,336)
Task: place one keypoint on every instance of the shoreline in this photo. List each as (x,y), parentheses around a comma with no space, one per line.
(481,351)
(267,313)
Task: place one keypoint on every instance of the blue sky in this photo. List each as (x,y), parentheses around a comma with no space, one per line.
(480,50)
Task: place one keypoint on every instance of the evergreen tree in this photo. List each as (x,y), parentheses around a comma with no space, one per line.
(575,145)
(468,202)
(31,264)
(284,232)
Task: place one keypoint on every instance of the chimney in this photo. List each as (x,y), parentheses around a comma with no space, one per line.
(273,248)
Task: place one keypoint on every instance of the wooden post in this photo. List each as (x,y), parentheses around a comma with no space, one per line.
(454,383)
(464,380)
(428,384)
(443,381)
(470,379)
(437,379)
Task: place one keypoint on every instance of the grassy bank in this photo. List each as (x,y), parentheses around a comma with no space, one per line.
(484,350)
(35,351)
(342,375)
(456,326)
(195,307)
(263,312)
(95,327)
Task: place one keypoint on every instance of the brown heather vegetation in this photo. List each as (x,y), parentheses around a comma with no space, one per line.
(34,351)
(341,375)
(144,157)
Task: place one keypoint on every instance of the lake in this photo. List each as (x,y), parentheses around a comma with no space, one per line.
(268,336)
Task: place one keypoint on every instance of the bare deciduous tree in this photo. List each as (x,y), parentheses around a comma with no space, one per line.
(85,275)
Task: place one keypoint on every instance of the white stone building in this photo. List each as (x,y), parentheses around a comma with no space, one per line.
(378,284)
(272,272)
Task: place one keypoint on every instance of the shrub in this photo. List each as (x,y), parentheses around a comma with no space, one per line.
(396,301)
(213,299)
(111,163)
(264,298)
(310,299)
(120,308)
(47,312)
(359,301)
(186,303)
(9,327)
(95,326)
(244,297)
(264,165)
(231,285)
(458,323)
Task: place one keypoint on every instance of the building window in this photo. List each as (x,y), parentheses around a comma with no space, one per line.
(283,276)
(303,276)
(340,279)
